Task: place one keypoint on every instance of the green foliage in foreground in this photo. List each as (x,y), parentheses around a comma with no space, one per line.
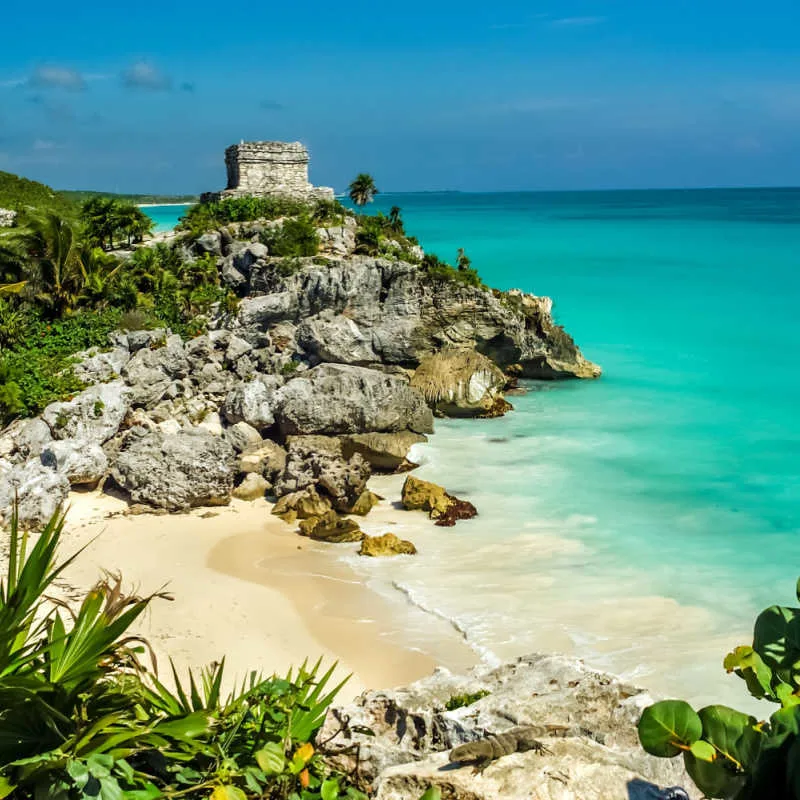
(727,753)
(297,237)
(440,270)
(83,718)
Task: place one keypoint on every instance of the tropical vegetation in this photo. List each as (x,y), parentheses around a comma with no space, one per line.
(728,753)
(362,190)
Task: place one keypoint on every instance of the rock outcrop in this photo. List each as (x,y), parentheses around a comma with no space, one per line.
(459,383)
(440,505)
(175,471)
(38,490)
(338,399)
(82,463)
(350,309)
(92,416)
(386,545)
(398,741)
(385,452)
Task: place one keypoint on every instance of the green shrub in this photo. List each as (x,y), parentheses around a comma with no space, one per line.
(727,753)
(463,700)
(83,717)
(295,238)
(439,270)
(207,216)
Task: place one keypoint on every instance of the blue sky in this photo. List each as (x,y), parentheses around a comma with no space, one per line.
(566,94)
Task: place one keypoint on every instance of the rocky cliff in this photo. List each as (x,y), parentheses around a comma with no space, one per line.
(361,350)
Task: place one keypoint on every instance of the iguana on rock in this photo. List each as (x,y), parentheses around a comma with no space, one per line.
(484,751)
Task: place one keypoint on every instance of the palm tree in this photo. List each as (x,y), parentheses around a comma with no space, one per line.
(98,270)
(98,217)
(395,220)
(362,190)
(50,251)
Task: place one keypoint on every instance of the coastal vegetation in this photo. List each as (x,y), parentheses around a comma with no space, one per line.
(84,715)
(362,190)
(730,754)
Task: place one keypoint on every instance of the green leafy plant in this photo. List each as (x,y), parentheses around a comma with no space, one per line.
(295,238)
(82,716)
(727,753)
(463,700)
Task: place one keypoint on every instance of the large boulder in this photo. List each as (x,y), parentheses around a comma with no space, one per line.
(338,399)
(459,383)
(440,504)
(243,437)
(386,545)
(39,492)
(317,461)
(385,452)
(331,528)
(335,338)
(399,740)
(93,416)
(305,504)
(175,471)
(253,402)
(81,463)
(253,487)
(24,439)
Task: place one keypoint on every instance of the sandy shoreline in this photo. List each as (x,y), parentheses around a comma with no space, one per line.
(246,586)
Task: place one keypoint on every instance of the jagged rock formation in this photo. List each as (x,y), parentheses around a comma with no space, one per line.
(364,310)
(262,169)
(398,742)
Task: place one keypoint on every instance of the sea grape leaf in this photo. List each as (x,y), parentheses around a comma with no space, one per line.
(703,751)
(713,779)
(783,724)
(668,727)
(749,666)
(434,793)
(271,758)
(771,637)
(228,793)
(733,734)
(329,789)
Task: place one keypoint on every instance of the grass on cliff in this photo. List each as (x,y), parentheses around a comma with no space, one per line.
(84,716)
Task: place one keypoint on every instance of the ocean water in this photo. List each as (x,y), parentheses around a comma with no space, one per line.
(165,217)
(639,521)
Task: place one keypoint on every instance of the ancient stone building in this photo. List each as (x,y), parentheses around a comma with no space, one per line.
(262,169)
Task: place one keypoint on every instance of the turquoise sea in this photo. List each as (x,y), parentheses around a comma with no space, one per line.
(640,521)
(165,217)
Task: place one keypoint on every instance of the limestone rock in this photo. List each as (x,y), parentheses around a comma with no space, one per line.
(366,501)
(385,452)
(243,437)
(338,241)
(252,487)
(210,242)
(176,472)
(441,506)
(459,383)
(24,439)
(340,399)
(97,366)
(80,462)
(94,415)
(316,461)
(39,491)
(301,505)
(402,737)
(335,338)
(386,545)
(136,340)
(252,402)
(332,528)
(268,460)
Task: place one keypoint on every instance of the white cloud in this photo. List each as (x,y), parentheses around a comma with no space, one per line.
(576,22)
(55,77)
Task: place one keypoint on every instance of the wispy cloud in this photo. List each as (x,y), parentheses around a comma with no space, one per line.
(143,75)
(576,22)
(271,105)
(55,77)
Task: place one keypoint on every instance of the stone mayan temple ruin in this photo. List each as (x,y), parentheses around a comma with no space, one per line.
(263,169)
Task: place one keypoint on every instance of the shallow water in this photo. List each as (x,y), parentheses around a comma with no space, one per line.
(165,217)
(643,520)
(640,521)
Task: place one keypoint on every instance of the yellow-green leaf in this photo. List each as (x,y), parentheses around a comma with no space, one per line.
(228,793)
(271,758)
(703,750)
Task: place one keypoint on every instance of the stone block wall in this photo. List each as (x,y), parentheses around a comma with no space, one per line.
(270,168)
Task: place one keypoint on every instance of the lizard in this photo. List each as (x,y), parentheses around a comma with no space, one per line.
(482,752)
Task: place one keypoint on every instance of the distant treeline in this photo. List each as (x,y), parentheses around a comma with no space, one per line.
(156,199)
